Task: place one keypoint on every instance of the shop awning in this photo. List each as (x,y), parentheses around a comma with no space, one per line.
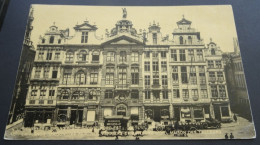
(117,117)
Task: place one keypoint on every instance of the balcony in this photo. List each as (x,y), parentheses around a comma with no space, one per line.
(156,85)
(219,99)
(122,86)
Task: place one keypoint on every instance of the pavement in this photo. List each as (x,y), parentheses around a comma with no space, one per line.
(242,129)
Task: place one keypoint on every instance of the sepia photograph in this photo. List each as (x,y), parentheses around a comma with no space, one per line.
(130,73)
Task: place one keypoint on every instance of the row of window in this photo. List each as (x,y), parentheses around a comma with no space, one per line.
(238,66)
(218,64)
(46,72)
(218,91)
(191,55)
(51,40)
(240,80)
(122,57)
(80,77)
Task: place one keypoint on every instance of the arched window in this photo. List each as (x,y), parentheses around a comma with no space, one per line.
(80,78)
(93,95)
(189,40)
(69,56)
(82,55)
(213,52)
(181,40)
(65,95)
(51,39)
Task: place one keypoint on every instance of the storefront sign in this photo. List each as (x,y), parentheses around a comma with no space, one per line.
(113,123)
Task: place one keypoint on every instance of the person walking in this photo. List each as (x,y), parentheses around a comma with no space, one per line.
(226,136)
(235,118)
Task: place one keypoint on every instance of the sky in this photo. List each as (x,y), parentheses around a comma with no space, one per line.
(216,22)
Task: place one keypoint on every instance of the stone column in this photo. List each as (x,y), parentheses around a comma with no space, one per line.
(171,111)
(211,110)
(68,116)
(84,117)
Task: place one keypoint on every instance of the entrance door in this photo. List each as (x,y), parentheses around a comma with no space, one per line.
(73,117)
(157,114)
(217,112)
(177,113)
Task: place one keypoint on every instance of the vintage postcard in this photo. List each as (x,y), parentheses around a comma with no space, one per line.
(130,73)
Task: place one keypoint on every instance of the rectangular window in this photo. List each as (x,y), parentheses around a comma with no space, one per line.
(175,76)
(134,94)
(184,77)
(43,92)
(211,64)
(122,76)
(37,72)
(54,73)
(49,55)
(218,64)
(154,38)
(212,76)
(147,94)
(146,66)
(40,55)
(110,57)
(194,93)
(191,55)
(108,94)
(57,56)
(147,80)
(163,54)
(67,76)
(202,78)
(182,55)
(33,92)
(193,77)
(173,55)
(155,66)
(109,79)
(134,57)
(69,56)
(199,55)
(220,76)
(155,54)
(185,93)
(84,37)
(165,94)
(51,94)
(164,80)
(122,57)
(95,57)
(201,69)
(156,95)
(164,66)
(204,93)
(46,72)
(176,93)
(93,78)
(156,80)
(135,75)
(214,91)
(222,91)
(147,54)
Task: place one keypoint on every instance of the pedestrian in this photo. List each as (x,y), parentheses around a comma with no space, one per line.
(93,129)
(226,136)
(231,136)
(235,117)
(32,130)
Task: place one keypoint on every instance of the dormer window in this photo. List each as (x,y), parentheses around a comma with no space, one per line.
(51,39)
(213,52)
(59,41)
(84,37)
(154,38)
(181,40)
(43,40)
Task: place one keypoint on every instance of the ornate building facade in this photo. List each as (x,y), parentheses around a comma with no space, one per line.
(139,76)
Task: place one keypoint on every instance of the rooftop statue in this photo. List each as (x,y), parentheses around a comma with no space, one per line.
(124,13)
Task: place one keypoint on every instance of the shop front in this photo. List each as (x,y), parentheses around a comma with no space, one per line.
(157,114)
(117,122)
(39,118)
